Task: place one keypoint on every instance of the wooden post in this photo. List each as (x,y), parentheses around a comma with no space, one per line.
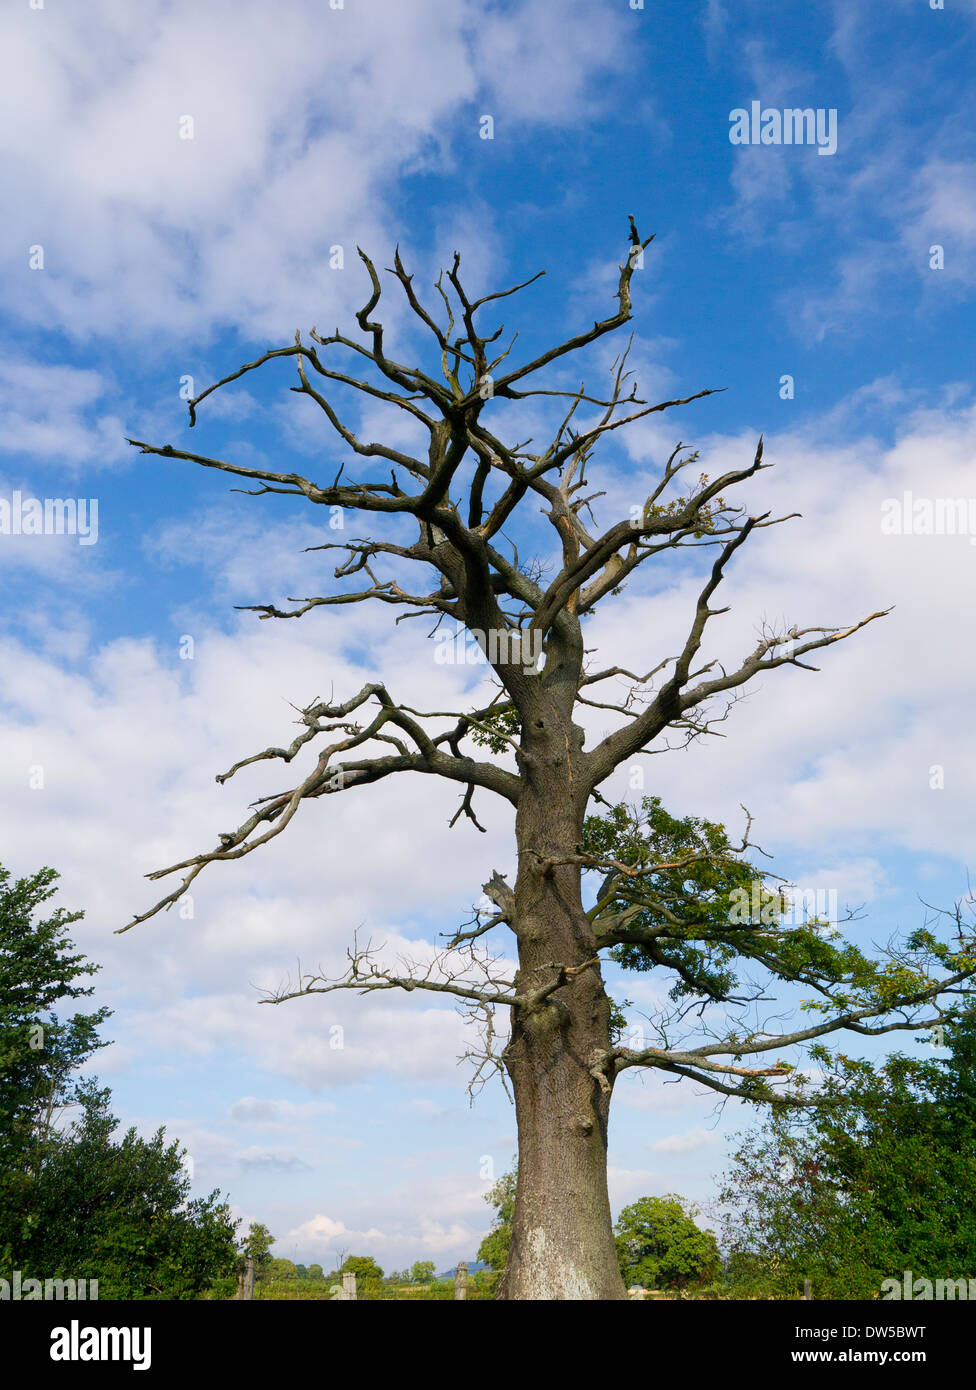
(461,1281)
(349,1288)
(807,1289)
(245,1280)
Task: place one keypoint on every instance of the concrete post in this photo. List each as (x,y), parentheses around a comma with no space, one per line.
(245,1280)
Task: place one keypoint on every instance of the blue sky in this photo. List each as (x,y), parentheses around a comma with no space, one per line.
(167,257)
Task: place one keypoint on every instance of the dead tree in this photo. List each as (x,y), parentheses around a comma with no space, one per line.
(525,745)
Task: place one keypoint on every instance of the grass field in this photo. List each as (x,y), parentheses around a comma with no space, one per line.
(300,1289)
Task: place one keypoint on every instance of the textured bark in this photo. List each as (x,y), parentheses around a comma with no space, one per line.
(562,1239)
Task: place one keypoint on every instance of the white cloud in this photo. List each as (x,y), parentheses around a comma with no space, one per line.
(300,120)
(47,414)
(900,182)
(838,760)
(689,1142)
(276,1114)
(321,1230)
(941,208)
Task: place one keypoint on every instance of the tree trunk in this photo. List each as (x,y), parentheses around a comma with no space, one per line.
(562,1239)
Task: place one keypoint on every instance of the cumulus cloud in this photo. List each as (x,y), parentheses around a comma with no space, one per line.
(689,1142)
(245,155)
(49,413)
(274,1114)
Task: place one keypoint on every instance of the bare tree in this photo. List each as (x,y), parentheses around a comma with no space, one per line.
(525,745)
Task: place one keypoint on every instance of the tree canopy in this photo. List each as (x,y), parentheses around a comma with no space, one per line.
(76,1202)
(879,1180)
(41,1052)
(660,1245)
(363,1266)
(119,1211)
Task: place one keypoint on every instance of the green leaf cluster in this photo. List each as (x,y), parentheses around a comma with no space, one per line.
(660,1245)
(879,1179)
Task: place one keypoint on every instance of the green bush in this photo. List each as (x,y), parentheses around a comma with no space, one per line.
(659,1246)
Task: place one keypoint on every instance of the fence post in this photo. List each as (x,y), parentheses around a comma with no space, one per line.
(349,1288)
(461,1281)
(245,1280)
(807,1289)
